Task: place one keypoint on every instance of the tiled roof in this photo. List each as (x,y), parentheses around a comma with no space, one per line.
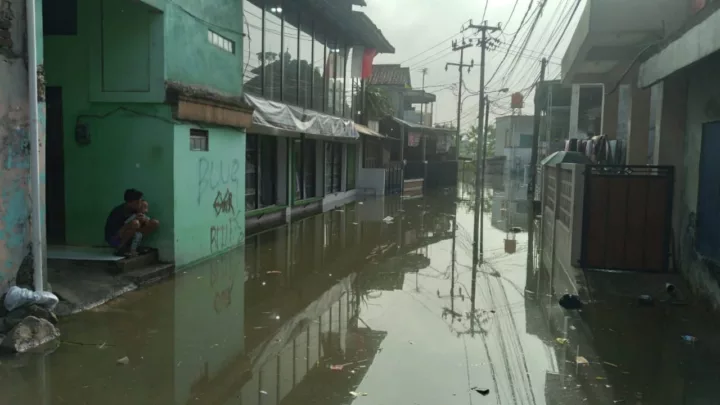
(390,75)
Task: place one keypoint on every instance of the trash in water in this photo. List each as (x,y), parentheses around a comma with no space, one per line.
(600,378)
(581,360)
(570,301)
(337,367)
(560,340)
(358,394)
(689,339)
(360,203)
(645,300)
(481,391)
(411,342)
(610,364)
(123,361)
(388,219)
(273,272)
(263,392)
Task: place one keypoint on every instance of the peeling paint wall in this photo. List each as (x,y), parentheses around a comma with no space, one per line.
(15,203)
(14,144)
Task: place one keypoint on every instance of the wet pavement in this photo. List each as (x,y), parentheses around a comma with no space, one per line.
(346,307)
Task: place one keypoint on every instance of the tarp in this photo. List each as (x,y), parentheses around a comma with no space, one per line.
(285,117)
(368,131)
(566,157)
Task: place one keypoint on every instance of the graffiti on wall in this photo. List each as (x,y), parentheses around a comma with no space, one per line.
(218,182)
(214,175)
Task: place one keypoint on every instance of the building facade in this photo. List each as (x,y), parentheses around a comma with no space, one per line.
(304,152)
(659,80)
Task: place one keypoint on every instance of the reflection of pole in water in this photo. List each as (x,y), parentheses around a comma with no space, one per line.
(452,265)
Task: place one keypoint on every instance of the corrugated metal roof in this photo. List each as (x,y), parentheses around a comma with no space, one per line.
(391,75)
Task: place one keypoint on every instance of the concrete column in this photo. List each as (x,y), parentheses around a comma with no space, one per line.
(610,112)
(670,128)
(574,110)
(637,145)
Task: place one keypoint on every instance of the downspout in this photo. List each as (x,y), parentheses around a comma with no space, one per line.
(36,215)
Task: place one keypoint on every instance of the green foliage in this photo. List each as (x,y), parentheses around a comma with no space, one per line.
(378,103)
(469,142)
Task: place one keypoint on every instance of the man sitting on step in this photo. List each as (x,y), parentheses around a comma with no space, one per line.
(128,223)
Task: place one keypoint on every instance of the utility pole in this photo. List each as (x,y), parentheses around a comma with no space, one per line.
(461,48)
(481,255)
(423,108)
(484,43)
(533,166)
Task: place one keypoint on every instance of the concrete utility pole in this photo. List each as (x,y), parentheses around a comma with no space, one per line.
(481,255)
(484,43)
(461,48)
(533,166)
(423,108)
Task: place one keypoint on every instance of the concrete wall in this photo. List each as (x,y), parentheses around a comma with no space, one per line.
(209,194)
(15,147)
(372,179)
(190,56)
(519,125)
(703,94)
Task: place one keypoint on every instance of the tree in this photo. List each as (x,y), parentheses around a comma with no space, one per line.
(378,103)
(469,142)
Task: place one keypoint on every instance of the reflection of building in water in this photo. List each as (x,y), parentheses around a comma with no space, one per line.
(510,205)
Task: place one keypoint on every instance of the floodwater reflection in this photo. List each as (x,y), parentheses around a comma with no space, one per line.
(369,304)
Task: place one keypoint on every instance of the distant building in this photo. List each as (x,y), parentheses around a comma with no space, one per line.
(513,139)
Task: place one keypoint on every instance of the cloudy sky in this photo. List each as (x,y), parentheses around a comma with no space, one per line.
(422,31)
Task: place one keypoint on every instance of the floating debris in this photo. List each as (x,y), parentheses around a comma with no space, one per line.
(561,341)
(123,361)
(646,300)
(273,272)
(358,394)
(581,360)
(263,392)
(481,391)
(388,219)
(610,364)
(689,338)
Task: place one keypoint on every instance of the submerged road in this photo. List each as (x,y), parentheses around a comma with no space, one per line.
(346,307)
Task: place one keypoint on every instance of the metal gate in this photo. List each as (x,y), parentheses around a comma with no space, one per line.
(627,217)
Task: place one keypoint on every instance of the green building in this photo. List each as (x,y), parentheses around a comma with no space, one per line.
(148,95)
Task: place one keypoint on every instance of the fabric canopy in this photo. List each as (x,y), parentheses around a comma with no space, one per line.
(273,114)
(368,131)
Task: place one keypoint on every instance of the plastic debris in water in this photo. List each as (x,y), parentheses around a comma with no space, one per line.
(358,394)
(581,360)
(481,391)
(123,361)
(337,367)
(646,300)
(560,340)
(263,392)
(689,339)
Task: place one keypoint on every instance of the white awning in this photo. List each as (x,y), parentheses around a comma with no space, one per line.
(283,117)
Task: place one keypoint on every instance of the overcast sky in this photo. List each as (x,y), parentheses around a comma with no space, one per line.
(422,30)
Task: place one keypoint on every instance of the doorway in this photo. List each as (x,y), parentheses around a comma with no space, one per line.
(54,167)
(708,214)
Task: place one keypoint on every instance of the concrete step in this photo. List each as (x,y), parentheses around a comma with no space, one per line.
(149,274)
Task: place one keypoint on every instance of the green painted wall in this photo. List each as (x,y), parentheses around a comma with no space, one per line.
(189,55)
(209,194)
(131,143)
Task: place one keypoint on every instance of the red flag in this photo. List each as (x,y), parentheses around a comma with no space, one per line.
(367,63)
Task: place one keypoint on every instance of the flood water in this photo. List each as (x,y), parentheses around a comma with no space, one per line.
(346,308)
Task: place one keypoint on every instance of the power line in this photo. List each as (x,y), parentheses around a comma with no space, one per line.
(436,45)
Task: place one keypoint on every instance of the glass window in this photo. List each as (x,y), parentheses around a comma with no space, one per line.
(273,51)
(268,171)
(310,157)
(351,166)
(350,90)
(333,167)
(525,141)
(252,48)
(306,63)
(304,155)
(319,71)
(251,173)
(290,58)
(260,172)
(333,54)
